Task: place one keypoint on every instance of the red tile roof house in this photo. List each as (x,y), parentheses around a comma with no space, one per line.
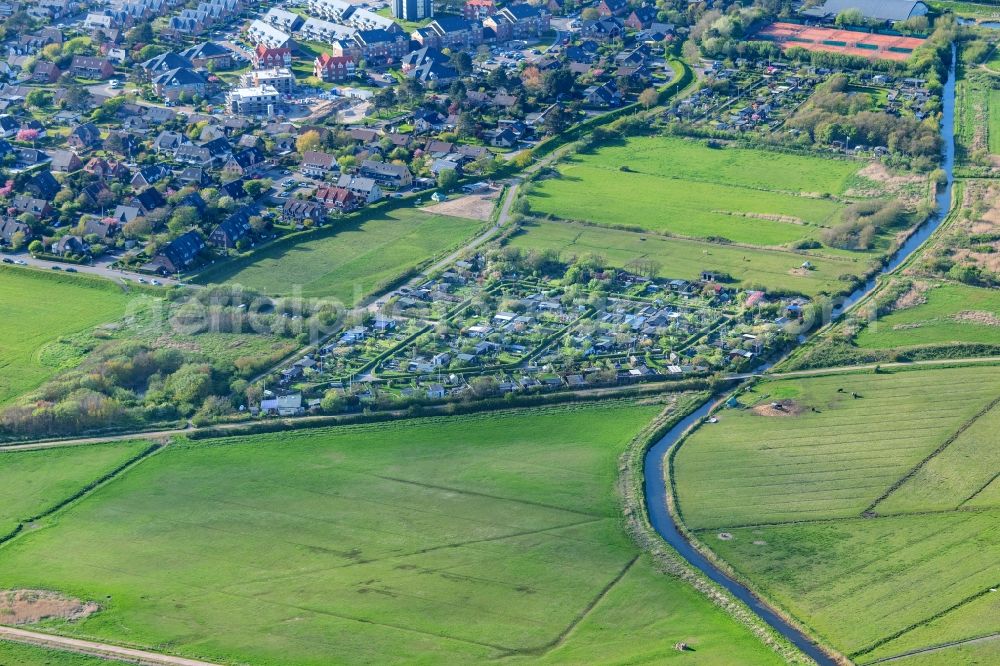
(333,68)
(337,198)
(91,68)
(265,58)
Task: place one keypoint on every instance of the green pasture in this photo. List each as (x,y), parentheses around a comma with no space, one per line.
(351,262)
(829,463)
(956,477)
(34,481)
(680,258)
(978,618)
(445,540)
(952,314)
(871,519)
(682,187)
(16,654)
(858,582)
(39,309)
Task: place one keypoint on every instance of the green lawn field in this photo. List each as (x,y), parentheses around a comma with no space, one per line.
(833,462)
(680,258)
(15,654)
(994,111)
(351,263)
(38,309)
(949,316)
(835,506)
(33,481)
(433,541)
(682,187)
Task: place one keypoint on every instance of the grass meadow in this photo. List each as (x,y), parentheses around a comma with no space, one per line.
(16,654)
(857,582)
(352,262)
(38,309)
(831,463)
(432,541)
(33,481)
(774,270)
(682,187)
(948,316)
(916,449)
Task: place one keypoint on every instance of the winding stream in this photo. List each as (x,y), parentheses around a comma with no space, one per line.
(653,466)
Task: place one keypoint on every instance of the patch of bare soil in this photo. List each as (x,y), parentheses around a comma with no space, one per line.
(897,184)
(473,206)
(30,606)
(779,408)
(915,296)
(799,272)
(788,219)
(978,317)
(725,536)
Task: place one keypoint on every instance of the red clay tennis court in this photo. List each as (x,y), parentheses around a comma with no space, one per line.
(833,40)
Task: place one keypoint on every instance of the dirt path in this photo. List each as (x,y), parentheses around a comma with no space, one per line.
(103,650)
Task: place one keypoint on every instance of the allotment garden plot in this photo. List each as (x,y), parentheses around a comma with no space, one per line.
(683,187)
(852,492)
(440,540)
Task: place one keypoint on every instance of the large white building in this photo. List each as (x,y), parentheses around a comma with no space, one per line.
(254,101)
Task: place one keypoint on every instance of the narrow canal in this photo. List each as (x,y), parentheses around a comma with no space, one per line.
(653,467)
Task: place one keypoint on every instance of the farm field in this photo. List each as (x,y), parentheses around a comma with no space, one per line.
(682,187)
(71,304)
(909,453)
(458,539)
(680,258)
(951,314)
(33,481)
(352,262)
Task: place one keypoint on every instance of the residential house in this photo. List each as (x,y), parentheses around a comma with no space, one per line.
(43,185)
(184,81)
(450,32)
(45,72)
(84,136)
(69,245)
(232,230)
(603,96)
(40,208)
(301,210)
(233,189)
(318,164)
(376,47)
(283,19)
(125,214)
(98,194)
(337,198)
(12,231)
(518,21)
(177,255)
(189,153)
(106,169)
(164,63)
(477,10)
(246,162)
(209,55)
(265,57)
(149,175)
(607,8)
(65,161)
(90,67)
(148,200)
(428,65)
(366,189)
(641,18)
(333,68)
(385,174)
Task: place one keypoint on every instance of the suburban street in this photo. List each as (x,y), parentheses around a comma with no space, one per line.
(101,269)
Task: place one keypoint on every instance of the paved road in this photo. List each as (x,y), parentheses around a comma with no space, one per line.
(103,650)
(103,270)
(937,648)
